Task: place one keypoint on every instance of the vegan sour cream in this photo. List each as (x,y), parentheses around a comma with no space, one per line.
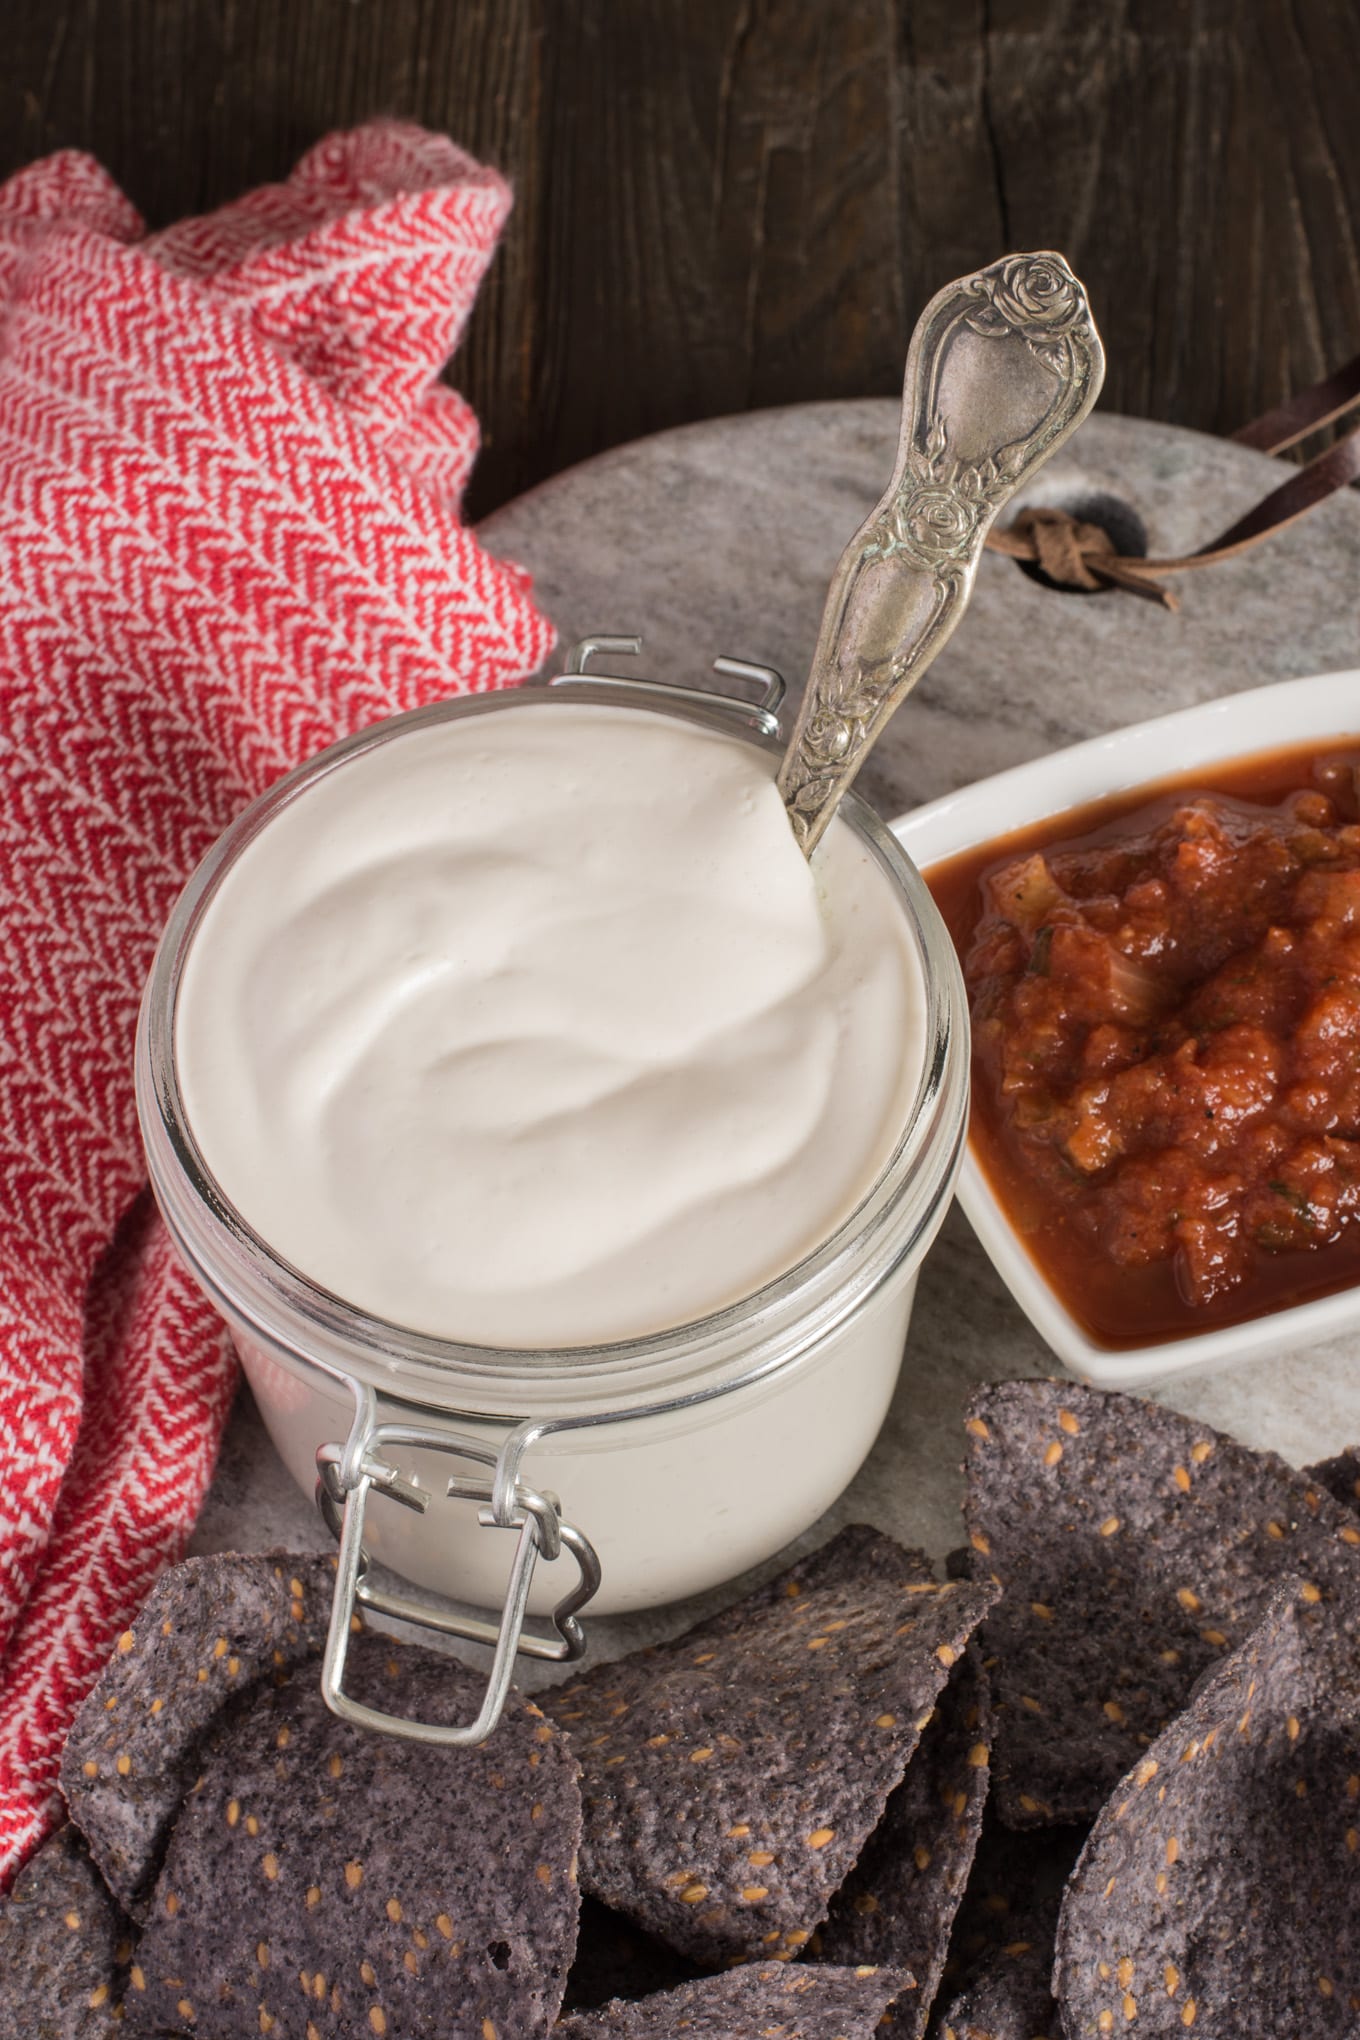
(537,1030)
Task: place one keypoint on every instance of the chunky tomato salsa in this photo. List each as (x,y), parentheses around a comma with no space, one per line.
(1165,994)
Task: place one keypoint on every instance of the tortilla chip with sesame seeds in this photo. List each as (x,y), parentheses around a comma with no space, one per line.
(64,1947)
(210,1628)
(898,1903)
(616,1959)
(324,1879)
(732,1775)
(1136,1549)
(996,1982)
(766,2001)
(1340,1477)
(1009,1999)
(1219,1892)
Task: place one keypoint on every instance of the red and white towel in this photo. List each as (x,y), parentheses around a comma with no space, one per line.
(229,533)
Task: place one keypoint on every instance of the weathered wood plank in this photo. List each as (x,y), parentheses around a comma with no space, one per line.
(726,203)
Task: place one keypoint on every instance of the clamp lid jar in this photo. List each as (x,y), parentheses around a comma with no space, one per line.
(680,1456)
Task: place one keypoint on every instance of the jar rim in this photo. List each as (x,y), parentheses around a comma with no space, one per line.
(279,1305)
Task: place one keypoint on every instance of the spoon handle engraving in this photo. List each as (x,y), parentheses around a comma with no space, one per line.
(1003,366)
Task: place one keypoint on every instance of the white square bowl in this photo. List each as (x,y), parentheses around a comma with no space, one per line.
(1322,708)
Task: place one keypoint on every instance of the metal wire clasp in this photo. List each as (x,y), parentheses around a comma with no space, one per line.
(348,1474)
(762,714)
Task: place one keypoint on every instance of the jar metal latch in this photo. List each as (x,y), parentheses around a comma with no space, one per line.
(348,1475)
(762,714)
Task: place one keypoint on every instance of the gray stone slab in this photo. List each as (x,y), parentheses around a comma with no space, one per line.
(720,538)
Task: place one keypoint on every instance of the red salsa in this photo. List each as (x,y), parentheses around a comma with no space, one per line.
(1165,992)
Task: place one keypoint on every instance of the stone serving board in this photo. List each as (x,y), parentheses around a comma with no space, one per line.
(721,537)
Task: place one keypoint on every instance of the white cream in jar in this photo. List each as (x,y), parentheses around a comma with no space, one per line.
(536,1030)
(523,1014)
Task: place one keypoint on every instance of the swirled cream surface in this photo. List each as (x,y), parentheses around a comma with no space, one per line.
(535,1029)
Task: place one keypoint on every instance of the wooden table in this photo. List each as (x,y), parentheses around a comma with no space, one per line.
(722,204)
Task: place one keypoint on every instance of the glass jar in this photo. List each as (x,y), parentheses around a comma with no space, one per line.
(631,1474)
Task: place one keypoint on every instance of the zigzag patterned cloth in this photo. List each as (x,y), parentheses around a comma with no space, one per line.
(229,533)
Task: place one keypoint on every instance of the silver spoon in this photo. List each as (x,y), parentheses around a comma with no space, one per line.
(1002,368)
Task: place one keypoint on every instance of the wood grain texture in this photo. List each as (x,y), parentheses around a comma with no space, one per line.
(730,203)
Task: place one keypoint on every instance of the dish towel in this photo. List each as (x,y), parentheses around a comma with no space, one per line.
(229,533)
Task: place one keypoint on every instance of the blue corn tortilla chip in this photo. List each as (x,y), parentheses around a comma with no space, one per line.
(322,1879)
(1136,1549)
(616,1959)
(1009,1913)
(768,2001)
(64,1948)
(732,1775)
(210,1627)
(1001,1954)
(1340,1477)
(1220,1887)
(1010,1999)
(898,1903)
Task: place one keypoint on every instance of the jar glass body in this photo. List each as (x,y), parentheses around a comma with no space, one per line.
(684,1457)
(673,1501)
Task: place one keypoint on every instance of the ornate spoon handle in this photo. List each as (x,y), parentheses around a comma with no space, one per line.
(1003,366)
